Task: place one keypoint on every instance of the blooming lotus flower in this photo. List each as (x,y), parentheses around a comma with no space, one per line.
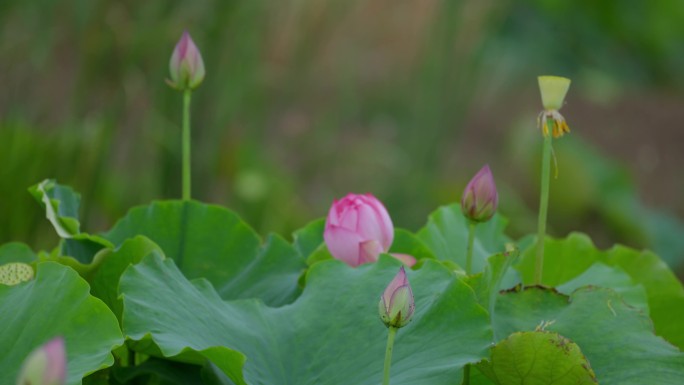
(480,198)
(358,229)
(553,90)
(46,365)
(396,303)
(186,65)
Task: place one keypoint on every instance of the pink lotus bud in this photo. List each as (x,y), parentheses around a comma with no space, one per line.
(396,303)
(358,229)
(480,198)
(46,365)
(186,65)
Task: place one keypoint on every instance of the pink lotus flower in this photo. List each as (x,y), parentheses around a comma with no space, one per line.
(186,65)
(46,365)
(480,198)
(358,229)
(396,305)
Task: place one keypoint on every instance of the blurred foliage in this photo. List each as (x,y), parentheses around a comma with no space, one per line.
(306,100)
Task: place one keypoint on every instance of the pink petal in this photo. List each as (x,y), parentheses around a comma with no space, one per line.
(398,281)
(369,251)
(343,244)
(406,259)
(386,225)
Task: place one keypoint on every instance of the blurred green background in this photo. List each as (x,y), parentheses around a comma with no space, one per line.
(307,100)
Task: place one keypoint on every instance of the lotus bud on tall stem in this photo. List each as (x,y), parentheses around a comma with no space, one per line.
(478,203)
(396,309)
(552,124)
(187,73)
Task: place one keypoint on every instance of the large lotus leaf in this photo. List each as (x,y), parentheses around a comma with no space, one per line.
(61,205)
(616,338)
(56,303)
(446,234)
(214,243)
(16,252)
(331,334)
(538,358)
(566,259)
(613,277)
(105,281)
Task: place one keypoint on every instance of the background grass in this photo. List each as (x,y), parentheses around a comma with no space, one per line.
(306,100)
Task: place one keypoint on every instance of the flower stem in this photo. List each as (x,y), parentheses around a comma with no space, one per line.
(543,205)
(469,270)
(388,355)
(469,250)
(186,144)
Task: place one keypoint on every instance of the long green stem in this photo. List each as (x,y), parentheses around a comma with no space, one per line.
(469,250)
(186,144)
(469,270)
(543,205)
(388,355)
(466,375)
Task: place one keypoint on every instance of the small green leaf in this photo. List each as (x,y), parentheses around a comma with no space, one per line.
(309,238)
(537,358)
(407,243)
(61,206)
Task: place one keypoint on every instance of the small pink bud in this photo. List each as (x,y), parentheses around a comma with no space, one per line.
(396,303)
(358,229)
(46,365)
(480,198)
(186,65)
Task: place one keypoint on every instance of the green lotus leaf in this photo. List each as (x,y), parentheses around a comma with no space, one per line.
(331,334)
(407,243)
(105,280)
(212,242)
(446,234)
(613,277)
(617,339)
(307,239)
(16,252)
(569,258)
(537,358)
(61,204)
(56,303)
